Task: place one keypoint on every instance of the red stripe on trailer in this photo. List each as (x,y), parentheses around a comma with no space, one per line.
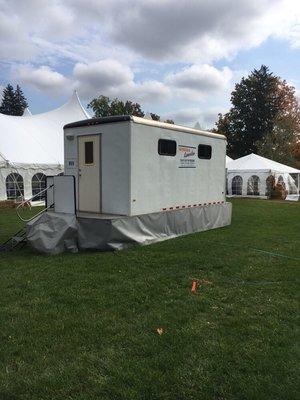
(193,205)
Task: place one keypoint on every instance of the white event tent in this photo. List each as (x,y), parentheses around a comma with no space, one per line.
(31,147)
(228,160)
(253,175)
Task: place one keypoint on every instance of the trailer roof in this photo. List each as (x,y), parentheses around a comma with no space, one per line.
(143,121)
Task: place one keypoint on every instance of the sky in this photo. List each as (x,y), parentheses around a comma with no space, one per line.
(179,59)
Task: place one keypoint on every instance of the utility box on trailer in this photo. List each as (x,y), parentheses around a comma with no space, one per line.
(129,166)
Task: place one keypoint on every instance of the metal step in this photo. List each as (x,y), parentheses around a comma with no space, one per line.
(18,240)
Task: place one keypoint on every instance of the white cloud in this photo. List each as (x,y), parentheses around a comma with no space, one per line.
(13,42)
(131,36)
(199,80)
(43,79)
(106,77)
(288,28)
(59,22)
(102,76)
(111,78)
(146,92)
(210,116)
(186,116)
(190,116)
(194,31)
(200,30)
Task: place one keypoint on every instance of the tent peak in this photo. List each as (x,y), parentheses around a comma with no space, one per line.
(74,100)
(26,112)
(42,133)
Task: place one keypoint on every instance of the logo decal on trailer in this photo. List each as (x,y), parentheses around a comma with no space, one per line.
(187,156)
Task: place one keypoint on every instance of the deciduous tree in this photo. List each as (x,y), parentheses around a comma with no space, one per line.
(264,111)
(279,144)
(104,107)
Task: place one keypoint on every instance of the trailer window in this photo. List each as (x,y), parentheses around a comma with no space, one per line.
(166,147)
(204,151)
(88,152)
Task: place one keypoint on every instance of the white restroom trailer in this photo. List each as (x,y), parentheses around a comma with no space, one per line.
(131,166)
(140,181)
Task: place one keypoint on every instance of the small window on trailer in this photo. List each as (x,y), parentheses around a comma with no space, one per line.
(204,151)
(88,153)
(167,147)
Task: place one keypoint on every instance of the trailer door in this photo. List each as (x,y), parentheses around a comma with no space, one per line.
(89,174)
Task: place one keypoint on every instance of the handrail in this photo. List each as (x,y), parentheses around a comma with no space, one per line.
(21,205)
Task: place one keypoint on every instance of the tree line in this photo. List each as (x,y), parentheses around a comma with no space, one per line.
(103,106)
(14,103)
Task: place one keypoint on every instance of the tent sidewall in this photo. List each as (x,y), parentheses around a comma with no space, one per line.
(263,176)
(245,175)
(27,173)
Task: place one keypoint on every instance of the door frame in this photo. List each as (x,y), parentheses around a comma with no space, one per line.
(100,170)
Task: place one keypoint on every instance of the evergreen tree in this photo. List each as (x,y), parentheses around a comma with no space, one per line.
(13,101)
(8,100)
(261,103)
(20,101)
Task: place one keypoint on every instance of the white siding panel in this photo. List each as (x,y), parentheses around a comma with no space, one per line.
(159,181)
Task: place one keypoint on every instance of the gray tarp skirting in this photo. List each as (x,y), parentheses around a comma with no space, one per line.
(53,233)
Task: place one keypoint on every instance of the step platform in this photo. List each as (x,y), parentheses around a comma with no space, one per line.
(53,232)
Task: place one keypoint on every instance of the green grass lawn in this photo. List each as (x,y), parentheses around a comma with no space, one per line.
(83,326)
